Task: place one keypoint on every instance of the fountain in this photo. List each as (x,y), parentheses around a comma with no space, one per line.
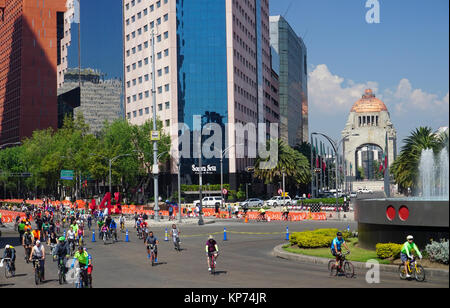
(426,215)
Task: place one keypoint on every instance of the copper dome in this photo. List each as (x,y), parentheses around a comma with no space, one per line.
(369,103)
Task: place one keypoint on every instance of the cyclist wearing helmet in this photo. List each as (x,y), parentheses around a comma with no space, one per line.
(211,249)
(405,253)
(62,251)
(336,249)
(113,229)
(10,252)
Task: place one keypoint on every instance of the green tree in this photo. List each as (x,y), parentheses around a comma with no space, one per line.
(405,168)
(294,164)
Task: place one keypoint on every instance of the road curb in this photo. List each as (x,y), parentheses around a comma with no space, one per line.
(279,252)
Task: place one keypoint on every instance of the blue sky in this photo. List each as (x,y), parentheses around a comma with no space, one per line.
(405,58)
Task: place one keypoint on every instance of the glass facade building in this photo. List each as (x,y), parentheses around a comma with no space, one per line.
(293,76)
(202,69)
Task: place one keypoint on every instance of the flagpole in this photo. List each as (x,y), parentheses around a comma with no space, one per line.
(79,46)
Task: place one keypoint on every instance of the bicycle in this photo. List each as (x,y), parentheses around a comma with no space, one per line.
(106,236)
(286,217)
(84,279)
(212,263)
(413,269)
(261,218)
(176,243)
(27,254)
(37,271)
(345,267)
(122,227)
(61,271)
(72,246)
(152,254)
(9,272)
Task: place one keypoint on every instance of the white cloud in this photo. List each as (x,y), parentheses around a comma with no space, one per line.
(406,99)
(331,98)
(330,93)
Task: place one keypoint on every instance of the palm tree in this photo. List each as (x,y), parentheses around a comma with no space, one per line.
(294,164)
(406,167)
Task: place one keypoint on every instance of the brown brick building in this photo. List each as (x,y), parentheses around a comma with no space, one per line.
(30,36)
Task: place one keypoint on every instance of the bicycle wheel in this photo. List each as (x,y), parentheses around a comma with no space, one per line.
(7,273)
(401,271)
(330,264)
(334,270)
(60,276)
(153,259)
(37,276)
(349,270)
(419,273)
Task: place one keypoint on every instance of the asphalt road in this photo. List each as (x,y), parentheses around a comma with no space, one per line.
(245,262)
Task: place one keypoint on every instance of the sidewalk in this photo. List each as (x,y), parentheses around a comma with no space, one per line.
(279,252)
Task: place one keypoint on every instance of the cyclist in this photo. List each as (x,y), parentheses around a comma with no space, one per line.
(89,221)
(113,229)
(100,224)
(336,249)
(27,242)
(144,229)
(175,234)
(122,222)
(62,252)
(10,252)
(262,213)
(85,263)
(36,235)
(71,239)
(38,254)
(285,212)
(151,240)
(405,253)
(211,249)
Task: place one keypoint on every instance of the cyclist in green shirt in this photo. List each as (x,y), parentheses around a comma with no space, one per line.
(405,253)
(85,263)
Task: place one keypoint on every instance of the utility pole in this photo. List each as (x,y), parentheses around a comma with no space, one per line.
(155,128)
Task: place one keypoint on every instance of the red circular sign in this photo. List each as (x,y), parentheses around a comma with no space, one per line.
(390,213)
(280,191)
(224,191)
(403,213)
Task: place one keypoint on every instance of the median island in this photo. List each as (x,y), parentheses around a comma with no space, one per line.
(317,243)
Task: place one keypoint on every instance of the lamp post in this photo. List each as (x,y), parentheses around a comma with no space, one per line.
(335,145)
(221,168)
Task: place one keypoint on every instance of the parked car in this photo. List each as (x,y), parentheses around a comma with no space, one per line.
(276,201)
(209,201)
(365,191)
(353,194)
(253,202)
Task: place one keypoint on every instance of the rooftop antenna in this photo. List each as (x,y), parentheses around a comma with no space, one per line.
(287,11)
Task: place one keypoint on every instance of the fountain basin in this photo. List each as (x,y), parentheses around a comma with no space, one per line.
(391,220)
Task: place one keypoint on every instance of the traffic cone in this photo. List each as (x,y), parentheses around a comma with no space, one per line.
(166,238)
(93,236)
(224,234)
(287,233)
(127,239)
(246,219)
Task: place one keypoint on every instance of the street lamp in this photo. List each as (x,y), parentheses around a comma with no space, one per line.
(221,167)
(335,145)
(111,160)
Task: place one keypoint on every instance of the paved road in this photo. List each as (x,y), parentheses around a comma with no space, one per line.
(245,261)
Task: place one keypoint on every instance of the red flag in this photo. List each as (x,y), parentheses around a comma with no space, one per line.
(317,162)
(324,166)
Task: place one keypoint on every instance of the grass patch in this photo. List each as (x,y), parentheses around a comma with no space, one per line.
(357,254)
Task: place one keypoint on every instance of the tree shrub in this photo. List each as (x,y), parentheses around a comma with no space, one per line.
(438,251)
(316,239)
(388,250)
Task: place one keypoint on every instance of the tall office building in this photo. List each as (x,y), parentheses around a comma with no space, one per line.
(293,73)
(30,33)
(213,65)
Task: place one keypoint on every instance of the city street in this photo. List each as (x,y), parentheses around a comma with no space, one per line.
(245,261)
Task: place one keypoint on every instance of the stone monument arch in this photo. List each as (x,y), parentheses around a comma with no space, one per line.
(368,125)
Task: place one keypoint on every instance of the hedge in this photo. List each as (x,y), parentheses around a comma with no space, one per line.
(389,250)
(315,239)
(324,201)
